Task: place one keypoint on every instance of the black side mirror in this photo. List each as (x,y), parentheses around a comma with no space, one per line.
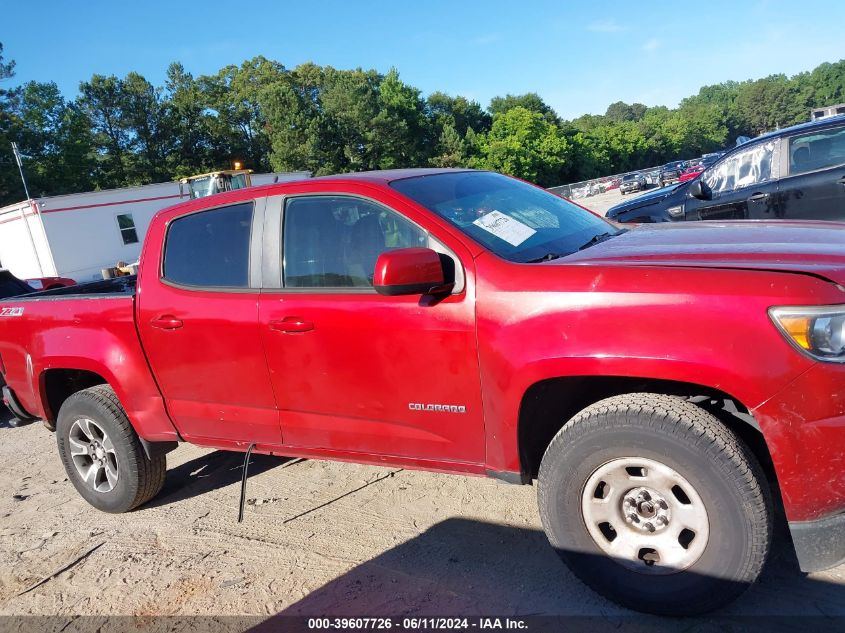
(699,190)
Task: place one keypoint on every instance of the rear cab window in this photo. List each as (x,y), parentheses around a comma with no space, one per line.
(209,249)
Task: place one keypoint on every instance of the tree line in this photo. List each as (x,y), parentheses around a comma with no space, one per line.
(125,131)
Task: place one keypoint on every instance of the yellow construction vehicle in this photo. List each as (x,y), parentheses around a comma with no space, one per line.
(203,185)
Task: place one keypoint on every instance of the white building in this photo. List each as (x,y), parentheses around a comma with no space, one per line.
(78,235)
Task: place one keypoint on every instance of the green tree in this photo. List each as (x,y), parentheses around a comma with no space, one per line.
(524,144)
(239,126)
(102,102)
(399,133)
(55,138)
(190,125)
(11,188)
(531,101)
(620,111)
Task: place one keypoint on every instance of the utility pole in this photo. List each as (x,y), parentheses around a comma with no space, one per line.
(20,167)
(23,211)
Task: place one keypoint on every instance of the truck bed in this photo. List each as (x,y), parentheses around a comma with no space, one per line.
(119,286)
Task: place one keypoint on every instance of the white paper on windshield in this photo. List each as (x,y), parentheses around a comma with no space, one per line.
(505,227)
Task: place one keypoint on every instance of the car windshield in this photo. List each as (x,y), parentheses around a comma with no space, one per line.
(629,177)
(515,220)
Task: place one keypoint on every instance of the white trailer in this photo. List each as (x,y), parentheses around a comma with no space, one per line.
(77,235)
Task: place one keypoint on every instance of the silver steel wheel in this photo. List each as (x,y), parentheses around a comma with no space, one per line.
(644,515)
(93,454)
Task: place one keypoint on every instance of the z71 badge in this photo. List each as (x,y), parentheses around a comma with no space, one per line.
(11,312)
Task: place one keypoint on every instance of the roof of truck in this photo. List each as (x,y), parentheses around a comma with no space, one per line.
(390,175)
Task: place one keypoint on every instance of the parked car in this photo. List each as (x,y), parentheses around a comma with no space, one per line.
(613,183)
(11,286)
(466,322)
(692,172)
(670,173)
(632,182)
(50,283)
(796,173)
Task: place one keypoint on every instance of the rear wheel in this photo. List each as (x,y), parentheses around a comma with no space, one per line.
(102,454)
(655,504)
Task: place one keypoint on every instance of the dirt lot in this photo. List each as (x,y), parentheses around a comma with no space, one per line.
(318,538)
(601,202)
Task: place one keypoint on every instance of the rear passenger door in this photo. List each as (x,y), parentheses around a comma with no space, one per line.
(198,321)
(814,186)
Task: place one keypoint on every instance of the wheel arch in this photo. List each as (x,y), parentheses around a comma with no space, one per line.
(56,385)
(549,404)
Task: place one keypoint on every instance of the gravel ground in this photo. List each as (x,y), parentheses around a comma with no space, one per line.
(600,203)
(318,538)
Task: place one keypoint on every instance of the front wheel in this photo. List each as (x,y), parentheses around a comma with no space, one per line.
(655,504)
(102,454)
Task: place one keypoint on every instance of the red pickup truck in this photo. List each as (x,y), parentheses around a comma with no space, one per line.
(664,385)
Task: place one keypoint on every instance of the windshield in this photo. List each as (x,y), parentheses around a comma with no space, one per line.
(515,220)
(201,187)
(629,177)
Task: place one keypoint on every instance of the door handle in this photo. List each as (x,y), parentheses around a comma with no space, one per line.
(166,322)
(758,196)
(291,324)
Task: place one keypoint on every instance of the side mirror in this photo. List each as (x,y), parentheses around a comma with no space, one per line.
(410,271)
(699,190)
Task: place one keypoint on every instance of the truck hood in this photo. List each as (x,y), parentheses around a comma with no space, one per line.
(645,200)
(815,248)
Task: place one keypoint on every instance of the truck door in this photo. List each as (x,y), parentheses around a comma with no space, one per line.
(741,186)
(198,321)
(357,372)
(814,187)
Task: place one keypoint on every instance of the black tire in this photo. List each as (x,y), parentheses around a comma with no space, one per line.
(695,444)
(139,478)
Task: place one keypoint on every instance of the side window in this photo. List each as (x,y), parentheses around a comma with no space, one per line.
(127,228)
(210,249)
(334,241)
(819,150)
(741,169)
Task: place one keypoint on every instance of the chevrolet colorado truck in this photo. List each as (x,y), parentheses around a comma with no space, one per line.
(666,386)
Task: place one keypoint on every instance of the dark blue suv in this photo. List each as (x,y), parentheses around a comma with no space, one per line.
(795,173)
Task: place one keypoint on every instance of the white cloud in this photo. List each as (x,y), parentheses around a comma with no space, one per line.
(651,45)
(606,26)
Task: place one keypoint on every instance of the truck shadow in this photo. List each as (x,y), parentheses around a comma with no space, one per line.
(464,567)
(5,417)
(209,472)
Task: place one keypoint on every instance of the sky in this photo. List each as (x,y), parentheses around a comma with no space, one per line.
(578,56)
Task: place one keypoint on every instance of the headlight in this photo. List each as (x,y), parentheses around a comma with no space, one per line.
(676,212)
(817,331)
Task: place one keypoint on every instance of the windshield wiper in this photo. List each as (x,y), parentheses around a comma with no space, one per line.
(601,237)
(546,258)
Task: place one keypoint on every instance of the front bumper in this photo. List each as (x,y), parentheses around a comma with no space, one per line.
(804,429)
(819,545)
